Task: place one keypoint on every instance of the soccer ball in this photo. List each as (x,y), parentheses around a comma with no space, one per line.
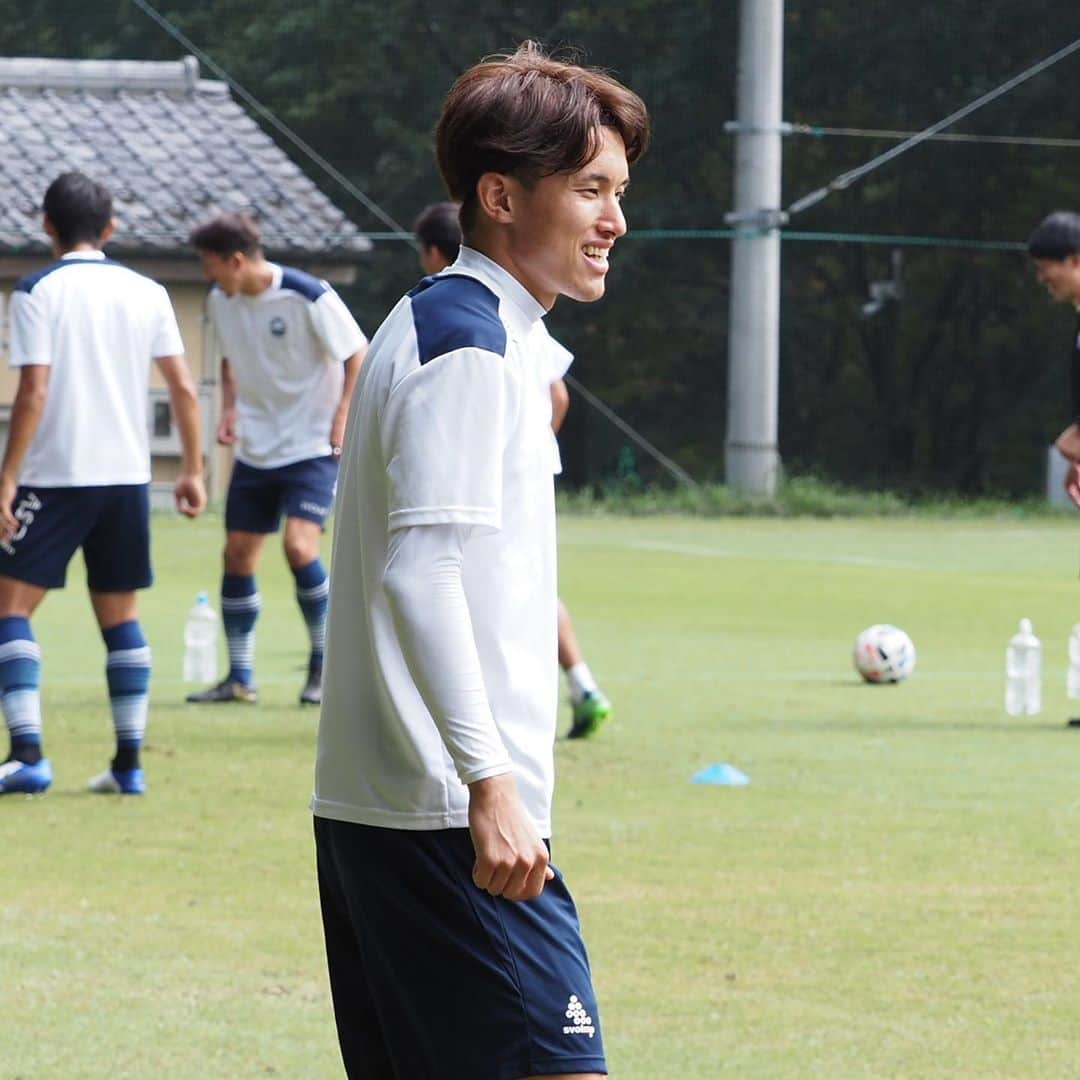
(884,654)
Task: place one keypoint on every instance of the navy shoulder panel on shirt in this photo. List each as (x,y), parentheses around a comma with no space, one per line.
(451,311)
(27,283)
(309,287)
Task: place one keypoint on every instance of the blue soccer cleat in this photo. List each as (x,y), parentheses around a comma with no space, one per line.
(16,777)
(118,782)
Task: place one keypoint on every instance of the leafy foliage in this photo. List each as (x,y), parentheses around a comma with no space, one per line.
(957,386)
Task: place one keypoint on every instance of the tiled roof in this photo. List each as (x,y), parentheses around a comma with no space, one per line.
(174,149)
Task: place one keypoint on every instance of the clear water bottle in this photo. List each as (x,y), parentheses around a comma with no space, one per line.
(1023,672)
(200,642)
(1072,680)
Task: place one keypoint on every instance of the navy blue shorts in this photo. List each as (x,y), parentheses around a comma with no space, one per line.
(111,524)
(258,497)
(435,979)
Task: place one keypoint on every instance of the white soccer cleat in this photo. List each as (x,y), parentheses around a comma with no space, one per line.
(126,782)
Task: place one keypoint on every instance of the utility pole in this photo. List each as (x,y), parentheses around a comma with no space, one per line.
(751,457)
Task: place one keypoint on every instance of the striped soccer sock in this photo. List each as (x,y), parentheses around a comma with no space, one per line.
(20,681)
(240,604)
(127,672)
(312,590)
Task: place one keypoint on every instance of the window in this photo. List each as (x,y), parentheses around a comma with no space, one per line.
(162,420)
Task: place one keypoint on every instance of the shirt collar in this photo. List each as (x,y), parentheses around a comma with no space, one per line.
(83,255)
(524,309)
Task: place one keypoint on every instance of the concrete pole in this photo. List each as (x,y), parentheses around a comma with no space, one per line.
(752,459)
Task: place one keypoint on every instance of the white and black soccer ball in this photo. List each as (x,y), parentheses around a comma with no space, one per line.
(884,654)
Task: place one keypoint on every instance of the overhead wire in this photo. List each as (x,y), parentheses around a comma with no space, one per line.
(845,180)
(818,131)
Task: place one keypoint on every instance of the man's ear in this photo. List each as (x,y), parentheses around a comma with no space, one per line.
(494,197)
(49,227)
(107,232)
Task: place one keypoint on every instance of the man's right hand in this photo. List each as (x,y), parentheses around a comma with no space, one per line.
(8,525)
(511,858)
(226,429)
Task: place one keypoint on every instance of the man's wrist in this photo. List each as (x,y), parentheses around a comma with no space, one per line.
(492,787)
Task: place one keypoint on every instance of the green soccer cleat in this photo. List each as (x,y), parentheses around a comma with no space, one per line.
(589,713)
(227,690)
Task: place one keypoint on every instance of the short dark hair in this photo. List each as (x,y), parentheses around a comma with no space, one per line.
(1056,237)
(530,115)
(438,226)
(226,235)
(79,208)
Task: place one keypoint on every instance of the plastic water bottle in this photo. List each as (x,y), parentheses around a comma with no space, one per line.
(1072,680)
(200,642)
(1023,672)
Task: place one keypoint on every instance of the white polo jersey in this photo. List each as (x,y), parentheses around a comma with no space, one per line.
(448,426)
(97,325)
(286,346)
(557,361)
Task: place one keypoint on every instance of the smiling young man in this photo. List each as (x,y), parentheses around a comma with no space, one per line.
(438,230)
(434,775)
(290,355)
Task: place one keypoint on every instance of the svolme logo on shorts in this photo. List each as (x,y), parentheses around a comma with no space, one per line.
(580,1021)
(314,508)
(24,514)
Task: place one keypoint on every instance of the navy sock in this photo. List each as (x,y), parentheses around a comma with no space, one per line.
(127,672)
(20,679)
(312,591)
(240,604)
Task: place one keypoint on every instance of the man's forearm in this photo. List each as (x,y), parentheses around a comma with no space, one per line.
(228,386)
(426,596)
(25,415)
(1068,443)
(185,407)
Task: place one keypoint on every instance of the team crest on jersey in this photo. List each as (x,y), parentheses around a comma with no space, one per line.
(277,326)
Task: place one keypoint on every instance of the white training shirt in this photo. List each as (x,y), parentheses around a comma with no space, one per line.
(97,325)
(286,346)
(441,663)
(557,361)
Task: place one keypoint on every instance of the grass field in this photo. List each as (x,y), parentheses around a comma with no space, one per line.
(894,895)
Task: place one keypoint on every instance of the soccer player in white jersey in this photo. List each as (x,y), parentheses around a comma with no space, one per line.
(438,231)
(453,944)
(290,356)
(76,469)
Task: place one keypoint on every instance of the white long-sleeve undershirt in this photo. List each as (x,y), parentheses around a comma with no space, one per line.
(426,595)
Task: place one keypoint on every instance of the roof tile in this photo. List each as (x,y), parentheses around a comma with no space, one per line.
(173,148)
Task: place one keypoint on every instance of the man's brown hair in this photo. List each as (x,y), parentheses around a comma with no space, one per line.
(226,235)
(529,115)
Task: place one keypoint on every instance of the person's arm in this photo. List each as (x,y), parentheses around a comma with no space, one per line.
(1068,446)
(226,429)
(426,596)
(190,489)
(560,404)
(341,415)
(25,414)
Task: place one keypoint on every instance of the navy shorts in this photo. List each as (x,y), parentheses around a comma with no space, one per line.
(111,524)
(435,979)
(258,497)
